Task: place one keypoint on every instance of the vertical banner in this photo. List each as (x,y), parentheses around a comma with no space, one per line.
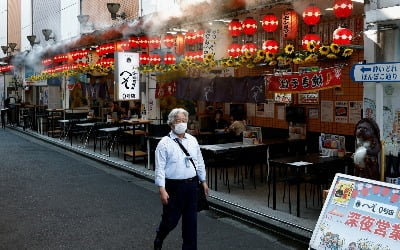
(126,76)
(326,111)
(216,42)
(358,214)
(290,24)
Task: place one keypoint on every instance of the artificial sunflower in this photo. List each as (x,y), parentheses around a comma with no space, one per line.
(324,50)
(209,56)
(248,54)
(298,60)
(261,54)
(288,61)
(272,63)
(250,65)
(289,49)
(257,59)
(347,52)
(244,59)
(269,56)
(311,47)
(230,63)
(331,56)
(335,48)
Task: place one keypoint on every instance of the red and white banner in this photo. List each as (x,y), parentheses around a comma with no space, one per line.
(304,82)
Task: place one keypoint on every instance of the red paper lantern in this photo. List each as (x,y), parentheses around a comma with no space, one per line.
(290,24)
(311,15)
(134,42)
(235,27)
(271,46)
(270,23)
(190,37)
(123,45)
(249,26)
(190,55)
(179,44)
(342,8)
(235,50)
(154,42)
(250,47)
(198,55)
(342,36)
(169,58)
(200,36)
(169,40)
(76,54)
(144,58)
(47,61)
(155,59)
(311,38)
(144,42)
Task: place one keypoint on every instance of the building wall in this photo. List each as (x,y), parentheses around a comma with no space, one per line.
(14,20)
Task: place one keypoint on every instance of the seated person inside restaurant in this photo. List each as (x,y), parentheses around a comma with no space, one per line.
(238,125)
(218,123)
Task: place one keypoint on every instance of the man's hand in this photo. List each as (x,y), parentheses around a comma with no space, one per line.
(164,196)
(205,187)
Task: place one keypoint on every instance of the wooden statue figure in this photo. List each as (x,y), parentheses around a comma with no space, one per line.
(367,149)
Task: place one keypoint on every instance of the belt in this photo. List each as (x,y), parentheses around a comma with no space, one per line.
(189,180)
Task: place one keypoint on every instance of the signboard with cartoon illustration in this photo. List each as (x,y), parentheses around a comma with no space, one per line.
(359,214)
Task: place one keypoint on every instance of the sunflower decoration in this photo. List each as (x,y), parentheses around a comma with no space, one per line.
(311,47)
(289,49)
(245,59)
(248,54)
(209,57)
(269,56)
(257,59)
(261,54)
(250,65)
(332,56)
(298,60)
(335,48)
(230,63)
(347,52)
(324,50)
(272,63)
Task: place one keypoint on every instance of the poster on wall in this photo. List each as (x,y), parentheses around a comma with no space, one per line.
(270,108)
(282,98)
(261,110)
(313,113)
(355,108)
(341,112)
(369,108)
(308,98)
(326,111)
(280,112)
(358,214)
(126,76)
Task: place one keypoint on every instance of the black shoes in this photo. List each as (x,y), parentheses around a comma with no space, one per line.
(157,244)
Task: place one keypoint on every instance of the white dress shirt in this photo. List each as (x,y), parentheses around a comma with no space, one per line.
(172,163)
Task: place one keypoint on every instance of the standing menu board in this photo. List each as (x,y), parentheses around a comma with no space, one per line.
(359,214)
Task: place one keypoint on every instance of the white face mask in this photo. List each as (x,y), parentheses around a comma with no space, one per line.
(180,128)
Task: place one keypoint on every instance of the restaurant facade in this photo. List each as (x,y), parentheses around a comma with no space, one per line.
(288,68)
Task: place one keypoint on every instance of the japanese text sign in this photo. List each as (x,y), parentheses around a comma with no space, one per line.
(304,82)
(126,76)
(359,214)
(376,72)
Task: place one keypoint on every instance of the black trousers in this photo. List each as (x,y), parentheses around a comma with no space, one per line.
(182,202)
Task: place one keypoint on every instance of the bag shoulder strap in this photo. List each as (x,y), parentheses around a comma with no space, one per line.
(185,151)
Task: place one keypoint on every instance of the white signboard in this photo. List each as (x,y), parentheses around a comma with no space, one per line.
(359,214)
(126,76)
(376,72)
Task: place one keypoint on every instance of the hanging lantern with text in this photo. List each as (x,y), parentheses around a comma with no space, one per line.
(270,23)
(169,40)
(180,44)
(249,47)
(342,8)
(235,50)
(235,27)
(134,42)
(155,59)
(290,24)
(342,36)
(190,37)
(169,58)
(311,15)
(144,58)
(271,46)
(311,38)
(249,26)
(154,42)
(144,42)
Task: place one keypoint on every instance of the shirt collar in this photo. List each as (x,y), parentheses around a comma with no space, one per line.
(172,135)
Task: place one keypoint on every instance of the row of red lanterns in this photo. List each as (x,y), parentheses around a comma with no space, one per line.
(105,61)
(155,59)
(193,37)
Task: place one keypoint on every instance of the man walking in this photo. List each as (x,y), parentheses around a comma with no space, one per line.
(177,175)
